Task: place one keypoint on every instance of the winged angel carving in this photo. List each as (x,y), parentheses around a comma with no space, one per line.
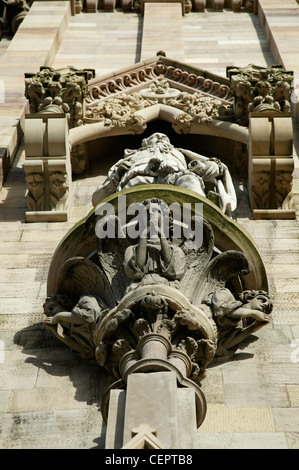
(155,284)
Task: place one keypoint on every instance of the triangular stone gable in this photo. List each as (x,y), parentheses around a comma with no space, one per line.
(139,76)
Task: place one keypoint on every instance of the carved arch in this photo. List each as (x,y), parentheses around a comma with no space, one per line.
(95,130)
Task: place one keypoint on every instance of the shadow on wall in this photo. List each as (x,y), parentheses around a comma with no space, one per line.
(47,353)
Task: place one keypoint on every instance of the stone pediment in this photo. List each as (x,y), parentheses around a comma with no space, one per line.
(140,76)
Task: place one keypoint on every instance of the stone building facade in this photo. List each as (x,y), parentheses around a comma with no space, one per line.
(81,83)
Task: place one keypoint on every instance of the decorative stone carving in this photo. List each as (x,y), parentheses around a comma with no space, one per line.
(78,6)
(198,108)
(47,167)
(65,88)
(12,14)
(61,91)
(35,186)
(157,161)
(48,188)
(260,89)
(159,69)
(271,165)
(158,301)
(155,303)
(160,90)
(187,5)
(238,317)
(120,112)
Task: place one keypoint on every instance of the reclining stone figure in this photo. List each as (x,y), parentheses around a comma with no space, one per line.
(159,162)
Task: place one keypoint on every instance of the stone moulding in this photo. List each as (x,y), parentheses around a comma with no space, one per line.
(178,75)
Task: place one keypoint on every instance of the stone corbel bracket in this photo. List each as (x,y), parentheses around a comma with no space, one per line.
(271,165)
(47,167)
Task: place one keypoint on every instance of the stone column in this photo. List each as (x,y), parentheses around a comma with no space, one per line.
(155,397)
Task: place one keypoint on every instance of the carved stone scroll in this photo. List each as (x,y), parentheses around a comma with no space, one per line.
(161,68)
(47,167)
(271,165)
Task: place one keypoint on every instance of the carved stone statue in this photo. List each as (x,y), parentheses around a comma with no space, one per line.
(154,260)
(157,296)
(237,318)
(158,162)
(74,324)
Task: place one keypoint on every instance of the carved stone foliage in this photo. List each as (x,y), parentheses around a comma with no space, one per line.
(198,108)
(47,167)
(155,302)
(272,188)
(63,88)
(122,111)
(271,165)
(61,91)
(259,89)
(47,186)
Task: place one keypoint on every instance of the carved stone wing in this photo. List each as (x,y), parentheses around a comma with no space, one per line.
(111,261)
(80,276)
(225,267)
(196,261)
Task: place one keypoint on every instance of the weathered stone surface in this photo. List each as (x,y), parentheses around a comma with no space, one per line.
(150,387)
(17,376)
(292,440)
(286,419)
(242,440)
(212,386)
(56,428)
(293,394)
(254,394)
(238,419)
(5,396)
(42,429)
